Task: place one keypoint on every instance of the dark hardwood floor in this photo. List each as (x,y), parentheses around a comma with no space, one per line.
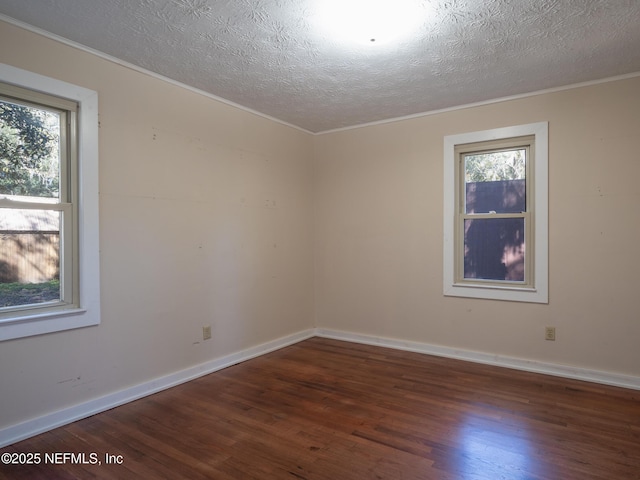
(324,409)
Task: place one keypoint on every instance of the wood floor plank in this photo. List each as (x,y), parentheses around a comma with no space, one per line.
(325,409)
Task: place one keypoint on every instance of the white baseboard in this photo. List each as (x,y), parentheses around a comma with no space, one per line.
(30,428)
(565,371)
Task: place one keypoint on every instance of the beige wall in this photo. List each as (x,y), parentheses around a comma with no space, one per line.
(379,202)
(205,218)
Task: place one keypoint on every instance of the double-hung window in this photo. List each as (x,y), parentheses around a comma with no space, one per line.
(496,214)
(38,207)
(48,205)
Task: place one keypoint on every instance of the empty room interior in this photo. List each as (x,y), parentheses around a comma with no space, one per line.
(289,248)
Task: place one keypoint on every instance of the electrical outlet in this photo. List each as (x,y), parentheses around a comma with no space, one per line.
(206,332)
(550,333)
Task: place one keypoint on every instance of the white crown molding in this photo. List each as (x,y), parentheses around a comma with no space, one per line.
(486,102)
(144,71)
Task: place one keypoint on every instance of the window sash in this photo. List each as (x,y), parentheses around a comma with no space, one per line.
(459,260)
(494,146)
(68,290)
(66,201)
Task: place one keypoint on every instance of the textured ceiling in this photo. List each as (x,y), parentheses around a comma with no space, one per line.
(272,57)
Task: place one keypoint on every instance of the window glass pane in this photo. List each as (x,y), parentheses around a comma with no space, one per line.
(29,256)
(495,182)
(29,152)
(494,249)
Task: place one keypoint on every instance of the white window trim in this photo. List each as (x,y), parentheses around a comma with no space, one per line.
(88,312)
(539,292)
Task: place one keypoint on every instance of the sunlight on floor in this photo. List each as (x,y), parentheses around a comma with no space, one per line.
(489,446)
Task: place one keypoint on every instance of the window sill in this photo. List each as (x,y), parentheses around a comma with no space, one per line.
(46,322)
(497,292)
